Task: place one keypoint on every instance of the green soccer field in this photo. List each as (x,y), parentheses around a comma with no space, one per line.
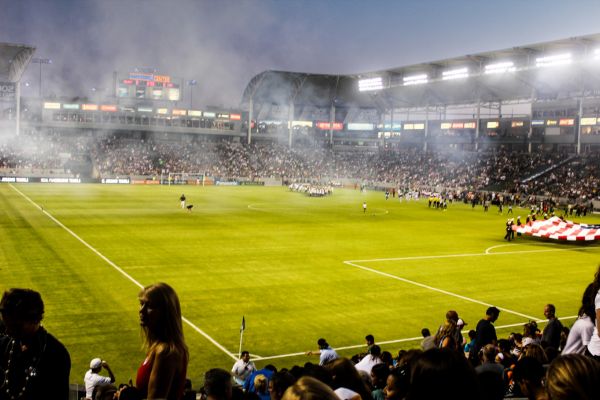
(297,268)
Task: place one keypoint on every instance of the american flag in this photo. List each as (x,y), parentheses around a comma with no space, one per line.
(557,229)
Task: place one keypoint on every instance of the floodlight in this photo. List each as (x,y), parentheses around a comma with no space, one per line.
(415,79)
(551,61)
(596,55)
(455,74)
(500,67)
(370,84)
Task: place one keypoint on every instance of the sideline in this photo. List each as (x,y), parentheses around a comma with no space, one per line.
(119,269)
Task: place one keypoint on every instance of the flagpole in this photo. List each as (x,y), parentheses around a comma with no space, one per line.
(242,329)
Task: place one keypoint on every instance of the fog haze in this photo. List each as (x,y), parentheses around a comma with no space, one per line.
(223,44)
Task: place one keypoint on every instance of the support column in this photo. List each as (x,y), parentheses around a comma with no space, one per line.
(391,123)
(290,127)
(477,125)
(250,112)
(18,101)
(579,116)
(530,133)
(426,128)
(331,121)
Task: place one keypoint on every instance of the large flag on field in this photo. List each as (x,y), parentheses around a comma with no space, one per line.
(558,229)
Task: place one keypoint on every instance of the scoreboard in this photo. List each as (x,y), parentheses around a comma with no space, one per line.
(149,87)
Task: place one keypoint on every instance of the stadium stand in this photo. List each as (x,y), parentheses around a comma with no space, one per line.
(337,135)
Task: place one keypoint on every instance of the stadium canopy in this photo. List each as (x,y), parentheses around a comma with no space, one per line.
(567,68)
(14,58)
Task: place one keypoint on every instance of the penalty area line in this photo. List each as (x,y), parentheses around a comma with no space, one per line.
(119,269)
(460,255)
(436,289)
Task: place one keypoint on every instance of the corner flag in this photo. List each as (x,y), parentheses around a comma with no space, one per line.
(242,329)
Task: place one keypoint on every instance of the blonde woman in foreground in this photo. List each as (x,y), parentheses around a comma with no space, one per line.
(163,372)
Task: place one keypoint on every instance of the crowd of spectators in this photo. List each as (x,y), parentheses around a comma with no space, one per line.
(138,155)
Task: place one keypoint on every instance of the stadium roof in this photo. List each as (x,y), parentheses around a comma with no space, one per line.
(568,67)
(13,60)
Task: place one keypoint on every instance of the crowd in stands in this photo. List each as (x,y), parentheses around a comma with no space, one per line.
(136,155)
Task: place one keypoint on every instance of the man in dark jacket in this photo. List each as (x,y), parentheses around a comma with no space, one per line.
(33,363)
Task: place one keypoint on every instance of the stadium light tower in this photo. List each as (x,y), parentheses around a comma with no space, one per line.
(191,84)
(500,67)
(365,85)
(553,60)
(41,61)
(415,79)
(457,73)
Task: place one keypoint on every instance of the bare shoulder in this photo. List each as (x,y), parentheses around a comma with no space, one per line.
(165,352)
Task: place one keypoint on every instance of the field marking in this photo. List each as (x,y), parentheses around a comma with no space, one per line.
(411,339)
(354,263)
(376,214)
(437,289)
(256,207)
(119,269)
(460,255)
(487,251)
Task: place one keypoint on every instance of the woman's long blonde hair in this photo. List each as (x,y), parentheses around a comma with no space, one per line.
(169,330)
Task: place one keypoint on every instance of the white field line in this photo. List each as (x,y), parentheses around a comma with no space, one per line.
(119,269)
(254,207)
(437,290)
(459,255)
(488,250)
(412,339)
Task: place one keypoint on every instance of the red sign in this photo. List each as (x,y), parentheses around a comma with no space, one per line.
(235,117)
(566,122)
(325,126)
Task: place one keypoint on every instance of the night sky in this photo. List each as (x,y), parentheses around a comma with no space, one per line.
(223,44)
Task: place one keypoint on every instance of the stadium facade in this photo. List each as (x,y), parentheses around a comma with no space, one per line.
(544,96)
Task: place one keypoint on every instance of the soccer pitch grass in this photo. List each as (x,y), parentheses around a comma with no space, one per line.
(297,268)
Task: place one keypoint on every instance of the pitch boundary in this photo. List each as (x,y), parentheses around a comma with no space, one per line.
(350,262)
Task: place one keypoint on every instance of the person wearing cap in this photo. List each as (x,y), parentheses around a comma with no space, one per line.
(93,379)
(33,363)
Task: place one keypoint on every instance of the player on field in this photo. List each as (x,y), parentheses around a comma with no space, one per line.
(182,199)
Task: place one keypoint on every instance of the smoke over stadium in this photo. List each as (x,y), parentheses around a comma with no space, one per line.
(423,177)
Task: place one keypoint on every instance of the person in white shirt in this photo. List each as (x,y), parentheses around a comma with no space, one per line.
(582,330)
(370,360)
(93,379)
(242,368)
(593,347)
